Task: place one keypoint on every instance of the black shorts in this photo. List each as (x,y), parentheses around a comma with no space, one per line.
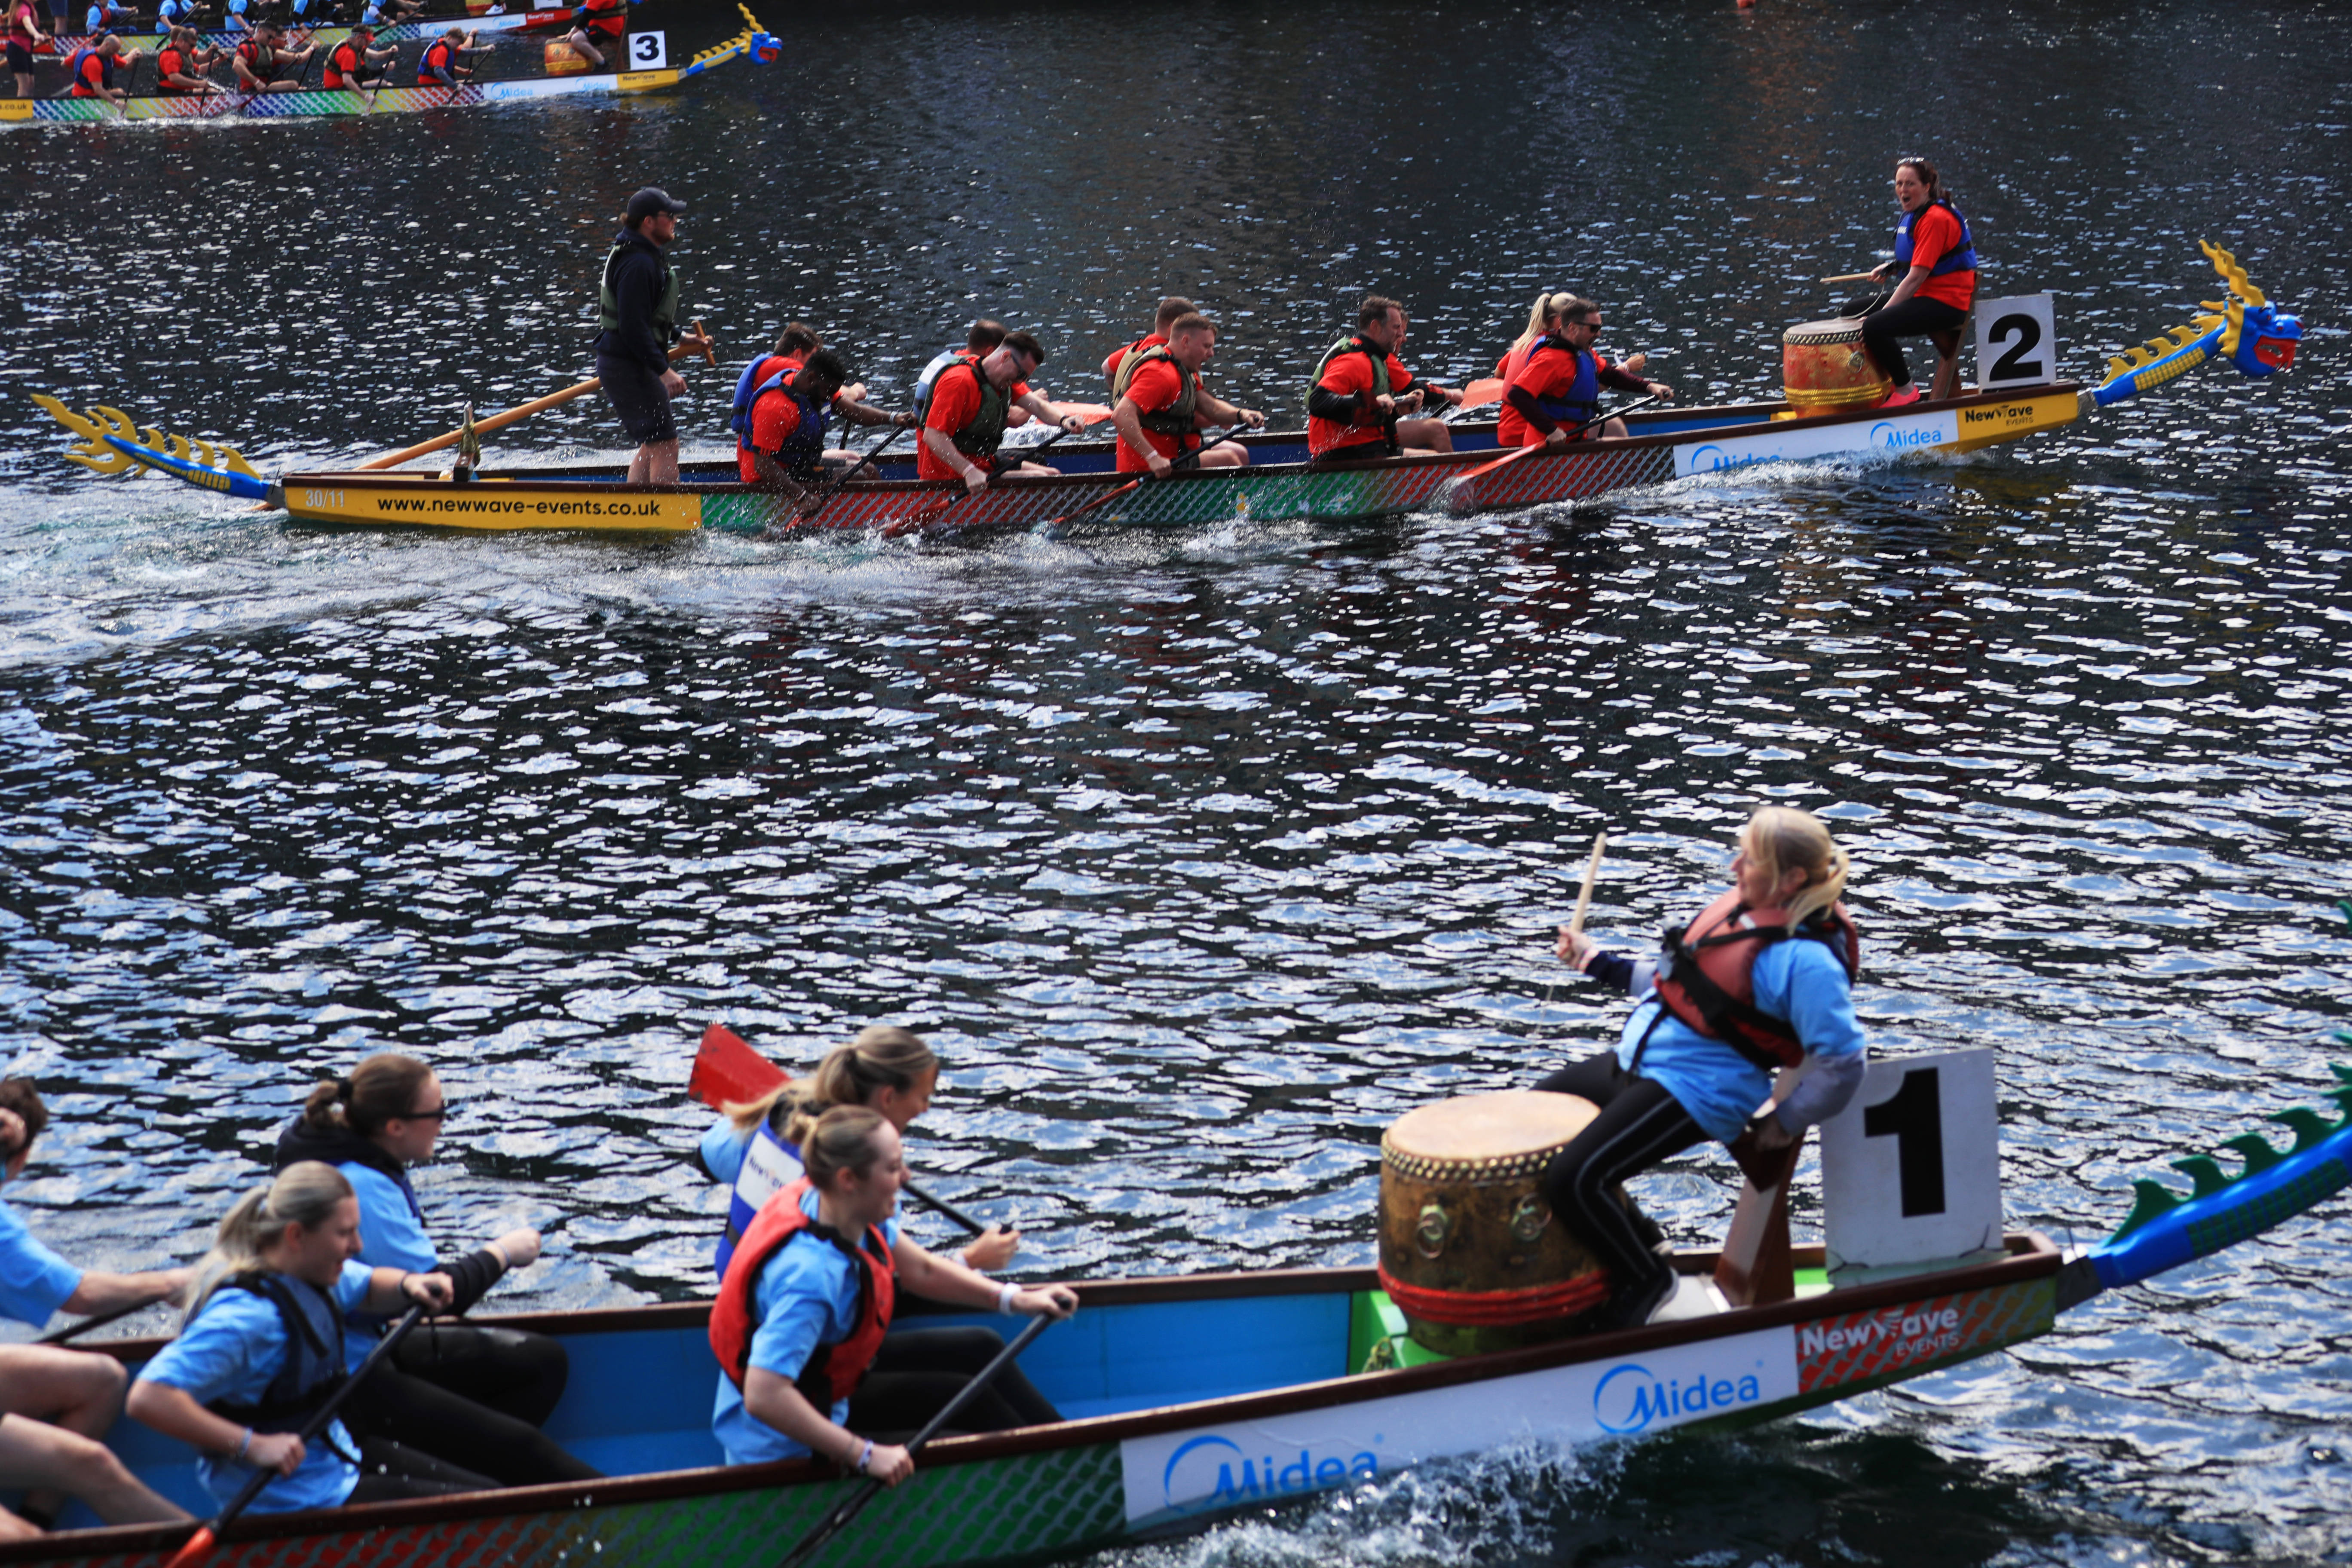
(636,395)
(20,59)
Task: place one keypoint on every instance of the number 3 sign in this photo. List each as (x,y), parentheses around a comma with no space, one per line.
(648,51)
(1911,1167)
(2017,343)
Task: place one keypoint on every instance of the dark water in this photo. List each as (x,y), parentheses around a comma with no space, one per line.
(1202,857)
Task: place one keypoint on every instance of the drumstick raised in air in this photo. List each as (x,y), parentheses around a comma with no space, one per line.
(1584,893)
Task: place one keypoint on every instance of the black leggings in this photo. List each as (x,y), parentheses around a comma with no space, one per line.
(413,1405)
(918,1371)
(514,1371)
(389,1471)
(1915,317)
(1640,1124)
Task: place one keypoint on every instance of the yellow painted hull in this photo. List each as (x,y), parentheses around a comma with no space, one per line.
(493,505)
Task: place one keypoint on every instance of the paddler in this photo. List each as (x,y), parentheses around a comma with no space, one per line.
(808,1298)
(1761,980)
(25,35)
(470,1396)
(1543,320)
(1938,260)
(977,344)
(347,62)
(91,67)
(258,60)
(106,17)
(1361,400)
(386,13)
(780,438)
(1173,308)
(182,64)
(597,26)
(443,64)
(262,1349)
(964,424)
(1558,389)
(56,1404)
(1162,407)
(637,314)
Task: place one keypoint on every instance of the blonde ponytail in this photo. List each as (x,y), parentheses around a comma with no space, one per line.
(304,1194)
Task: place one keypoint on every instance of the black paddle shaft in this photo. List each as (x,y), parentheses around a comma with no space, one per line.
(947,1208)
(849,1507)
(75,1330)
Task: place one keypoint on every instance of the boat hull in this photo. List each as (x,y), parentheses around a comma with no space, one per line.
(343,102)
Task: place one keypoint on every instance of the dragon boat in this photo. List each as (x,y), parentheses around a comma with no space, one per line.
(1188,1398)
(753,41)
(473,20)
(1660,447)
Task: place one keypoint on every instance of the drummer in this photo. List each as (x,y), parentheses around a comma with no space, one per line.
(1939,264)
(1761,980)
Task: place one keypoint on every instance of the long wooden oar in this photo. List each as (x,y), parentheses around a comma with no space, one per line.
(1584,893)
(75,1330)
(838,1518)
(207,1535)
(524,411)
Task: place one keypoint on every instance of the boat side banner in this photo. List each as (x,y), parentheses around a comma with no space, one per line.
(1891,437)
(1232,1463)
(1857,1347)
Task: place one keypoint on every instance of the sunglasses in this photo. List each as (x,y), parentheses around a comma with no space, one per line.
(437,1113)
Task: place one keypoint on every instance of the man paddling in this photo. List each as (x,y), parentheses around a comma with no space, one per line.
(260,60)
(969,402)
(1361,400)
(347,62)
(443,62)
(977,344)
(1162,407)
(92,69)
(181,65)
(637,314)
(1172,309)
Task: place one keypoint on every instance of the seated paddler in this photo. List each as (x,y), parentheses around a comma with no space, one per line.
(356,61)
(1937,262)
(472,1395)
(182,64)
(260,63)
(1162,407)
(443,63)
(1362,401)
(780,423)
(1554,397)
(91,69)
(1170,310)
(963,424)
(809,1362)
(1762,979)
(261,1351)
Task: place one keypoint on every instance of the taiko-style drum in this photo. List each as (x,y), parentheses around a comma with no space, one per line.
(1823,366)
(560,58)
(1469,1250)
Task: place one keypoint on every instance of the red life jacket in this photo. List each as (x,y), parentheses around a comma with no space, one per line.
(834,1371)
(1707,973)
(609,17)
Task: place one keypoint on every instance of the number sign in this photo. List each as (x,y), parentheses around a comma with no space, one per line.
(2017,342)
(648,51)
(1911,1167)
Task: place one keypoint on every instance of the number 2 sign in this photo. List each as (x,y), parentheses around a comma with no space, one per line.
(1911,1167)
(2017,342)
(648,51)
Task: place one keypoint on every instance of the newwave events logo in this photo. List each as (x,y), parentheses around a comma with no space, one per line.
(1632,1398)
(1242,1480)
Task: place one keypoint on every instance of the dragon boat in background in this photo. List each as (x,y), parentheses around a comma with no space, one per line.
(476,18)
(1660,447)
(754,42)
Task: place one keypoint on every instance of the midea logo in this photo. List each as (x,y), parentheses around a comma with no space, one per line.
(1241,1479)
(1632,1398)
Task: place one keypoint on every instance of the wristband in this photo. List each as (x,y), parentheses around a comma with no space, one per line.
(1004,1299)
(242,1447)
(862,1458)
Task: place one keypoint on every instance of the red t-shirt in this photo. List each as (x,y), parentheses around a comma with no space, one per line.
(1118,356)
(342,67)
(1155,386)
(91,79)
(1353,373)
(955,398)
(1548,373)
(1935,232)
(774,417)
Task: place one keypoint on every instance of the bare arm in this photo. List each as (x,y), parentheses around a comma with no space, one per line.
(1908,287)
(102,1293)
(1212,410)
(1041,409)
(1129,424)
(944,449)
(174,1413)
(773,1401)
(929,1275)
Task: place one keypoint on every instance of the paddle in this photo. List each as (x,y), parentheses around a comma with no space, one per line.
(939,509)
(75,1330)
(837,1517)
(207,1535)
(1584,893)
(815,500)
(1479,394)
(524,411)
(1544,446)
(1189,460)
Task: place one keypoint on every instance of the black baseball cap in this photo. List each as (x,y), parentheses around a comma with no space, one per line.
(651,200)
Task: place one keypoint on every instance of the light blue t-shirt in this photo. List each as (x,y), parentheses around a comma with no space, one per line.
(391,1236)
(806,1296)
(34,1281)
(723,1148)
(1801,981)
(233,1349)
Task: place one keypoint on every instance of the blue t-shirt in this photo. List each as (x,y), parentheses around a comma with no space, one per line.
(34,1281)
(233,1349)
(1801,981)
(392,1235)
(806,1296)
(723,1147)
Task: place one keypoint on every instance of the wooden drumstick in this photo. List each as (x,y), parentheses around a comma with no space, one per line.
(1584,893)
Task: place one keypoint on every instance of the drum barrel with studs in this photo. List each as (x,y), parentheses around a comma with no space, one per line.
(1823,366)
(1469,1250)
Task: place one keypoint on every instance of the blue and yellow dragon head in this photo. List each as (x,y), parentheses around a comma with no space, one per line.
(2244,330)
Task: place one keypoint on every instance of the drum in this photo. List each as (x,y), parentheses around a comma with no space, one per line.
(1469,1251)
(1823,367)
(560,58)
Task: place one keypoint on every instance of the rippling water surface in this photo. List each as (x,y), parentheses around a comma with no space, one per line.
(1201,856)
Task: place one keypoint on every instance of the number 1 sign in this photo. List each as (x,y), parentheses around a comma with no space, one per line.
(1911,1167)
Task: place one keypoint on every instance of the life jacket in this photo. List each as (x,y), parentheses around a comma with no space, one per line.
(609,17)
(804,450)
(82,86)
(1961,258)
(1706,979)
(314,1365)
(259,59)
(1115,361)
(834,1371)
(770,1165)
(930,377)
(1348,346)
(608,304)
(984,431)
(1582,402)
(1328,437)
(172,60)
(345,63)
(442,55)
(1177,418)
(23,21)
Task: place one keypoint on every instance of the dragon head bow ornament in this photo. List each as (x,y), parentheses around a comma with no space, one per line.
(2244,329)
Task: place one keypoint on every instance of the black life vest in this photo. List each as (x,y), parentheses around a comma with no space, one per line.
(314,1368)
(260,58)
(984,433)
(1177,418)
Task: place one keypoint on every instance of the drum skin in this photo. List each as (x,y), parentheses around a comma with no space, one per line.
(1461,1215)
(1824,367)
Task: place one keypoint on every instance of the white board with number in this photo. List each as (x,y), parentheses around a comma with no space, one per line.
(648,51)
(2017,342)
(1911,1167)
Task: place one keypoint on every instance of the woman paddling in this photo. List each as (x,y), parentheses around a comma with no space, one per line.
(755,1145)
(262,1349)
(802,1314)
(1761,980)
(1554,395)
(476,1396)
(1938,260)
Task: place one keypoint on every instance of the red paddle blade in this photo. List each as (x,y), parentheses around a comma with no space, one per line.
(1478,393)
(1094,413)
(727,1070)
(199,1547)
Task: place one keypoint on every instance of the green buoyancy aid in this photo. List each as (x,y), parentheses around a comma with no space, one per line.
(608,305)
(1351,343)
(1178,417)
(984,432)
